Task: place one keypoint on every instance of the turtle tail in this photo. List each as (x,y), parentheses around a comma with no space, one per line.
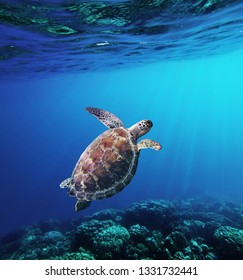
(82,204)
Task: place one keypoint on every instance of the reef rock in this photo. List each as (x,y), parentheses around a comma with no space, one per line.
(193,229)
(109,242)
(138,233)
(229,242)
(106,238)
(152,214)
(107,214)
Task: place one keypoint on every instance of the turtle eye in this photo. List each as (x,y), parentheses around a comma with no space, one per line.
(145,125)
(149,124)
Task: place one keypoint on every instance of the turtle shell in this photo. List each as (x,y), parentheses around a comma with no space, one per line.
(106,166)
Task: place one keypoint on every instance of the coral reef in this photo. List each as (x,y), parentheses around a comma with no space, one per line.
(193,229)
(229,242)
(152,214)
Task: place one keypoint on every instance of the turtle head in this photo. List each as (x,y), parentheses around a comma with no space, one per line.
(141,128)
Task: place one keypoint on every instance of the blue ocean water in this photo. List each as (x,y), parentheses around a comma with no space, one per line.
(195,104)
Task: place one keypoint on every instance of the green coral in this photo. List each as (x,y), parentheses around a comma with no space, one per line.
(229,242)
(107,214)
(174,242)
(138,233)
(109,242)
(37,245)
(137,252)
(121,234)
(106,238)
(81,254)
(154,214)
(88,230)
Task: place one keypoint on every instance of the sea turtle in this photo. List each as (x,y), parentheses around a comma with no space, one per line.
(109,163)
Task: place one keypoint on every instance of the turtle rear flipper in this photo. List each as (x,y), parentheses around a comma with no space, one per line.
(82,204)
(66,183)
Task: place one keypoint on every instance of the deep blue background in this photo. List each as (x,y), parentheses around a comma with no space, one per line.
(197,110)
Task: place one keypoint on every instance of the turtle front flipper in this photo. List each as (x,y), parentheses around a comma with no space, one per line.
(107,118)
(147,143)
(81,205)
